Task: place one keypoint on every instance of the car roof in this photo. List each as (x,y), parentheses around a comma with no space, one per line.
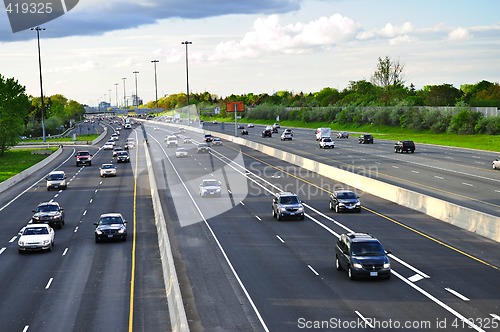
(107,164)
(57,172)
(343,191)
(36,225)
(362,237)
(286,193)
(111,214)
(48,203)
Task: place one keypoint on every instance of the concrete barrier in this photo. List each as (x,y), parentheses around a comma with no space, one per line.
(474,221)
(24,174)
(178,317)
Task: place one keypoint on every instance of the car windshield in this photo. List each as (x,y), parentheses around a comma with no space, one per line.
(210,183)
(83,153)
(289,200)
(56,177)
(346,195)
(107,166)
(367,249)
(47,208)
(327,140)
(36,231)
(110,220)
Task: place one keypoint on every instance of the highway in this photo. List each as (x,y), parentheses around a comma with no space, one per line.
(461,176)
(81,285)
(243,270)
(238,268)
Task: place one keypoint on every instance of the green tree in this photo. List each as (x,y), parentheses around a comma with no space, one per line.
(14,106)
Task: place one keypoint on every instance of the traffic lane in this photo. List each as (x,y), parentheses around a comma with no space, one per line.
(409,171)
(212,296)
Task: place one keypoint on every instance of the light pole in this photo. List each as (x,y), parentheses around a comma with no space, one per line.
(156,84)
(116,93)
(136,99)
(187,76)
(124,94)
(38,29)
(109,97)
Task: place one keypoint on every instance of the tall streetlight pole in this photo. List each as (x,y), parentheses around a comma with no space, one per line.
(156,84)
(116,93)
(136,99)
(187,76)
(124,94)
(109,97)
(38,29)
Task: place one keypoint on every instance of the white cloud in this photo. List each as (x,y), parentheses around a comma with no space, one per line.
(268,35)
(459,34)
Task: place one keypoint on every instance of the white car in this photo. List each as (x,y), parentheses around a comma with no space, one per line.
(496,164)
(181,152)
(326,143)
(210,188)
(36,237)
(250,125)
(115,136)
(108,146)
(107,170)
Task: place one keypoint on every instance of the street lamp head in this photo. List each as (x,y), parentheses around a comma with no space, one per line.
(186,42)
(37,28)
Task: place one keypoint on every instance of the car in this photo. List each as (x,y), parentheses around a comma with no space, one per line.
(48,213)
(215,122)
(286,136)
(115,136)
(182,130)
(210,188)
(274,129)
(344,200)
(288,130)
(127,126)
(244,132)
(181,152)
(202,148)
(287,205)
(365,139)
(250,125)
(208,138)
(108,146)
(362,255)
(216,141)
(267,132)
(107,170)
(35,237)
(496,164)
(56,180)
(172,140)
(116,150)
(155,128)
(187,140)
(112,142)
(111,226)
(326,143)
(240,126)
(276,125)
(343,134)
(83,157)
(404,146)
(122,157)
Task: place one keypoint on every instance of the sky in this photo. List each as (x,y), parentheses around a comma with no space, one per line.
(250,46)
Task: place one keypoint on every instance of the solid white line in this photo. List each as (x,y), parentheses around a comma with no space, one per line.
(414,269)
(279,238)
(65,252)
(48,284)
(364,319)
(241,202)
(438,302)
(457,294)
(495,316)
(26,328)
(258,218)
(313,270)
(2,250)
(13,239)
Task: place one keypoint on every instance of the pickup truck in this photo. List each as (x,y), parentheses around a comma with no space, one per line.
(83,158)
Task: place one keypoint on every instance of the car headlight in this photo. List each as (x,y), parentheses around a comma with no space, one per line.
(45,242)
(98,231)
(300,209)
(387,265)
(282,209)
(358,203)
(122,230)
(357,265)
(341,204)
(21,243)
(217,190)
(36,218)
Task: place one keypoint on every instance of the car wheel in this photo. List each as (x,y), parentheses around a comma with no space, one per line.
(494,166)
(337,210)
(278,216)
(50,247)
(395,150)
(337,264)
(331,205)
(302,217)
(274,214)
(350,274)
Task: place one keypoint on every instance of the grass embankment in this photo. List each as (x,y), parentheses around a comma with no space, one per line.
(481,142)
(16,161)
(50,140)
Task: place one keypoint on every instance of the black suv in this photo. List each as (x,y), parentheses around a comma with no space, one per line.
(362,255)
(365,139)
(344,200)
(111,226)
(404,146)
(208,138)
(287,205)
(267,132)
(49,213)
